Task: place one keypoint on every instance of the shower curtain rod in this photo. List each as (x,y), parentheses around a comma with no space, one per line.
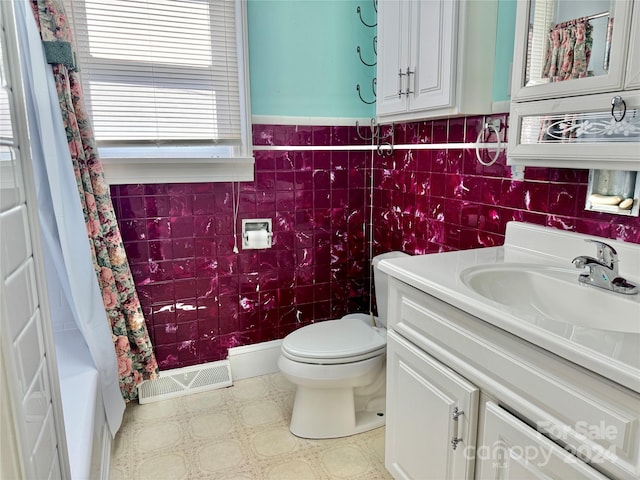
(597,15)
(581,19)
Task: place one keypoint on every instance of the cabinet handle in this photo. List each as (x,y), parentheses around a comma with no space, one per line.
(616,102)
(454,416)
(408,74)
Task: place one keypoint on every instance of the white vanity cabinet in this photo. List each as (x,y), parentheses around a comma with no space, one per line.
(576,117)
(435,58)
(435,414)
(539,415)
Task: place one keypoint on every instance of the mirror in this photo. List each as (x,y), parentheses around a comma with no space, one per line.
(593,127)
(568,40)
(10,173)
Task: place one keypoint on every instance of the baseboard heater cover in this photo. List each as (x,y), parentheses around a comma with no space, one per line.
(185,381)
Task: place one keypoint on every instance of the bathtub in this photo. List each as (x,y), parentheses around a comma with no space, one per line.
(87,434)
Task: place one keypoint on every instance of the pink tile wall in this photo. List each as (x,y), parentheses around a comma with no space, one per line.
(199,298)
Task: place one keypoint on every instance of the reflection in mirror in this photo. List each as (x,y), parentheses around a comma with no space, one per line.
(568,39)
(580,128)
(10,174)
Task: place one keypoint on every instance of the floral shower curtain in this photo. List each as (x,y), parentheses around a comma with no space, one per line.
(569,50)
(134,352)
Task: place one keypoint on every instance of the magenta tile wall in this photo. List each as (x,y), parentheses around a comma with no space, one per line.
(199,298)
(439,200)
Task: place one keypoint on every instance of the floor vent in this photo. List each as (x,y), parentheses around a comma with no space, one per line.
(185,381)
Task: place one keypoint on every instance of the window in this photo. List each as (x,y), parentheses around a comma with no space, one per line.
(165,85)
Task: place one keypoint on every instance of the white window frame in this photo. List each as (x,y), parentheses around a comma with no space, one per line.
(121,167)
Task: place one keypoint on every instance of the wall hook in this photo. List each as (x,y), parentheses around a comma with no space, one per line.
(374,61)
(373,128)
(359,11)
(373,82)
(362,60)
(384,141)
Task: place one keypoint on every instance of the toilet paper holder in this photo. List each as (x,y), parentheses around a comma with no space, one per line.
(257,233)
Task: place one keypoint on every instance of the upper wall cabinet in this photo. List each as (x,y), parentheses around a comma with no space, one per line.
(575,96)
(435,58)
(567,48)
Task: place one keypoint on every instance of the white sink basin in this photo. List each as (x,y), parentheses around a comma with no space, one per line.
(552,293)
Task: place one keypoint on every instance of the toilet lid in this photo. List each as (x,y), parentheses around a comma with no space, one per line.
(334,341)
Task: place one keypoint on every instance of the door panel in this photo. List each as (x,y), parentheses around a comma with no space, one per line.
(422,396)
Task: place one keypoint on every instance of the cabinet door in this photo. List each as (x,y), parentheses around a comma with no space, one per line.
(511,449)
(393,56)
(425,438)
(416,55)
(576,132)
(432,49)
(551,60)
(633,67)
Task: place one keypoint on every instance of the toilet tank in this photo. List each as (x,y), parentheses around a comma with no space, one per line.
(381,279)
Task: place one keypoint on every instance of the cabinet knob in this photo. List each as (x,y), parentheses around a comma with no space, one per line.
(454,442)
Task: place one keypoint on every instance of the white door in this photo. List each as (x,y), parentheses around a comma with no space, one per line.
(431,416)
(31,413)
(511,449)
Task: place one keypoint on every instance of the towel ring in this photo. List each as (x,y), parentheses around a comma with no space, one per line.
(491,126)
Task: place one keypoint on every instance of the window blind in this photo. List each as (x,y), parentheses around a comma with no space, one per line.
(159,72)
(541,22)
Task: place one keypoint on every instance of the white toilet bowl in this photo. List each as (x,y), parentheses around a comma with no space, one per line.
(339,369)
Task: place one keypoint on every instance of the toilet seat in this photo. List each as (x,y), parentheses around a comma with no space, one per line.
(333,342)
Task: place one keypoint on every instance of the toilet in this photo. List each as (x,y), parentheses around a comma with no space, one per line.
(339,369)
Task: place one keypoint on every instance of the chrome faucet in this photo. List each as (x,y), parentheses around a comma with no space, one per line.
(603,270)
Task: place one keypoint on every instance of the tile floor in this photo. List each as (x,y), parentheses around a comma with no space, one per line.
(238,433)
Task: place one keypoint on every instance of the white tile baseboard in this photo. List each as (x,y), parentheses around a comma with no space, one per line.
(253,360)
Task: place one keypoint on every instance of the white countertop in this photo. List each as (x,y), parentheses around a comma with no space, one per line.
(612,354)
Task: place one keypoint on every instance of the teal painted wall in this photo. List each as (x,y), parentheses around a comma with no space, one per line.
(303,60)
(505,37)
